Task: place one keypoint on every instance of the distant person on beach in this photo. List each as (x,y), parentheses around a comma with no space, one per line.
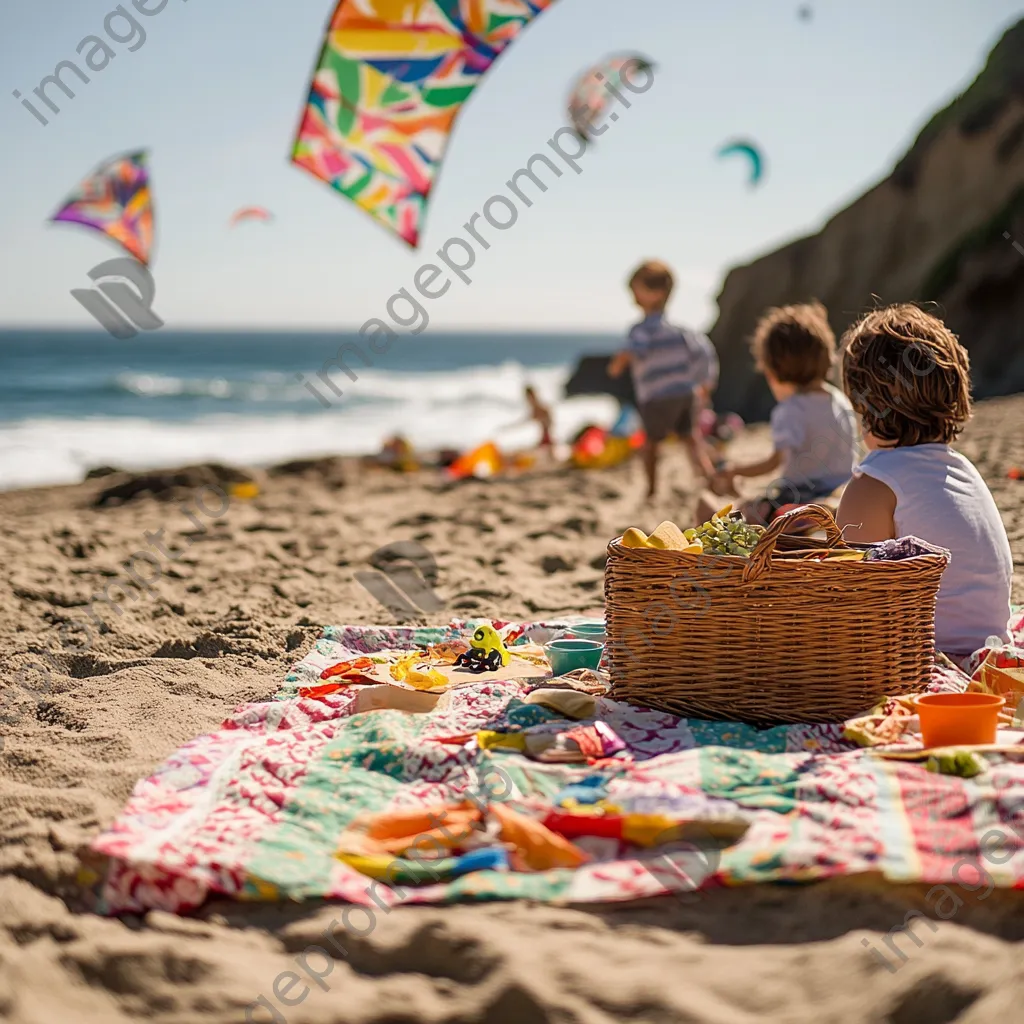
(674,370)
(396,453)
(814,428)
(540,414)
(908,378)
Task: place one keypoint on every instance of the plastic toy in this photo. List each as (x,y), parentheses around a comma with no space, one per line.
(482,462)
(405,671)
(487,651)
(596,448)
(349,670)
(447,652)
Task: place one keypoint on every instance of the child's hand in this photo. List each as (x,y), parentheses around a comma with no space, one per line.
(618,364)
(724,482)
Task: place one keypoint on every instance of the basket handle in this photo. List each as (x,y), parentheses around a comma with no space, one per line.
(761,556)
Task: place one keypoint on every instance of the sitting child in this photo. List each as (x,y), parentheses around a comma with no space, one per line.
(814,429)
(908,378)
(396,453)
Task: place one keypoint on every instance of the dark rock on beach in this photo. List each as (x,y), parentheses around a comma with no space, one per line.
(98,472)
(170,484)
(330,469)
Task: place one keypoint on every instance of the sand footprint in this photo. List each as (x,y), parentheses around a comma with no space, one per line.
(556,563)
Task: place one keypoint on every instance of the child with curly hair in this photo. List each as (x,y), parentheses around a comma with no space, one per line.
(814,429)
(908,378)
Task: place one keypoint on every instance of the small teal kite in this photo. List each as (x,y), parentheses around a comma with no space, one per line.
(751,151)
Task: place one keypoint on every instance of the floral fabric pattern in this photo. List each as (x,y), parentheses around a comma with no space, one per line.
(254,810)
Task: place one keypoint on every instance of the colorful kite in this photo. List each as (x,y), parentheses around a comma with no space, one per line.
(750,150)
(250,213)
(596,87)
(390,81)
(115,199)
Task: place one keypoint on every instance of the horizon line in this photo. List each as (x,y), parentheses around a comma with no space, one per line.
(284,329)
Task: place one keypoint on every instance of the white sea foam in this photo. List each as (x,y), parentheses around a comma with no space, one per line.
(503,383)
(265,387)
(454,408)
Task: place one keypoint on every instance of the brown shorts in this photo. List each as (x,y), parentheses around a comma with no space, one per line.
(664,416)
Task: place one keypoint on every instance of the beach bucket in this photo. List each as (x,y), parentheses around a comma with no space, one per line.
(958,719)
(567,655)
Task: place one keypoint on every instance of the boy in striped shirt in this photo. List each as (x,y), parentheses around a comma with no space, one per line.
(674,371)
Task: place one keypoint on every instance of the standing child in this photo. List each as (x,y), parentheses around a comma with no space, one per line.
(814,428)
(909,380)
(541,415)
(669,365)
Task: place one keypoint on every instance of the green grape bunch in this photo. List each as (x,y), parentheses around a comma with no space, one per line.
(726,536)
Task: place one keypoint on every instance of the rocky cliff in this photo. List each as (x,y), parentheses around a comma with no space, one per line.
(934,231)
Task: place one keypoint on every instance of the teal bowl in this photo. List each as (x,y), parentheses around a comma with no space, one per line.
(592,630)
(589,631)
(567,655)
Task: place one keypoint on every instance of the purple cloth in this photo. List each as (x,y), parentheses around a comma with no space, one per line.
(903,547)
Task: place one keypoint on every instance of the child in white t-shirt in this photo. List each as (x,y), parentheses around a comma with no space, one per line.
(909,380)
(814,428)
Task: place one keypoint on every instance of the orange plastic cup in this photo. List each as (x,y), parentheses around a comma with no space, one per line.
(958,719)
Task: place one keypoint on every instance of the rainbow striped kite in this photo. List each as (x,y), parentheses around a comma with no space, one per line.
(390,81)
(115,199)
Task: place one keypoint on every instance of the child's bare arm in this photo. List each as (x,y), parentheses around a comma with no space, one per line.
(866,510)
(768,465)
(699,454)
(619,363)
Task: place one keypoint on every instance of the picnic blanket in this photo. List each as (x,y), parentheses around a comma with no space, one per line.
(255,810)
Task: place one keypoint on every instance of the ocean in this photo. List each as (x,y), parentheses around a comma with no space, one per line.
(73,400)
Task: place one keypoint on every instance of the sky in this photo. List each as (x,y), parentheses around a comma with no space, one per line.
(216,90)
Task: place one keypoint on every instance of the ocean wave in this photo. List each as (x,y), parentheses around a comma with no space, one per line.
(156,385)
(49,450)
(150,419)
(166,394)
(472,384)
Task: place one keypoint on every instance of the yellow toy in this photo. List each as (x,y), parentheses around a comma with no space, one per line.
(487,651)
(404,671)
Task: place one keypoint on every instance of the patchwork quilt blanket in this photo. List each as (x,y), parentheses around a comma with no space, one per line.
(257,809)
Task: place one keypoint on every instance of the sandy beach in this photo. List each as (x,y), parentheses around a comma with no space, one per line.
(238,598)
(303,248)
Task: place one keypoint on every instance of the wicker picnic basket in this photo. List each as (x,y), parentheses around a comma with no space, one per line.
(781,637)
